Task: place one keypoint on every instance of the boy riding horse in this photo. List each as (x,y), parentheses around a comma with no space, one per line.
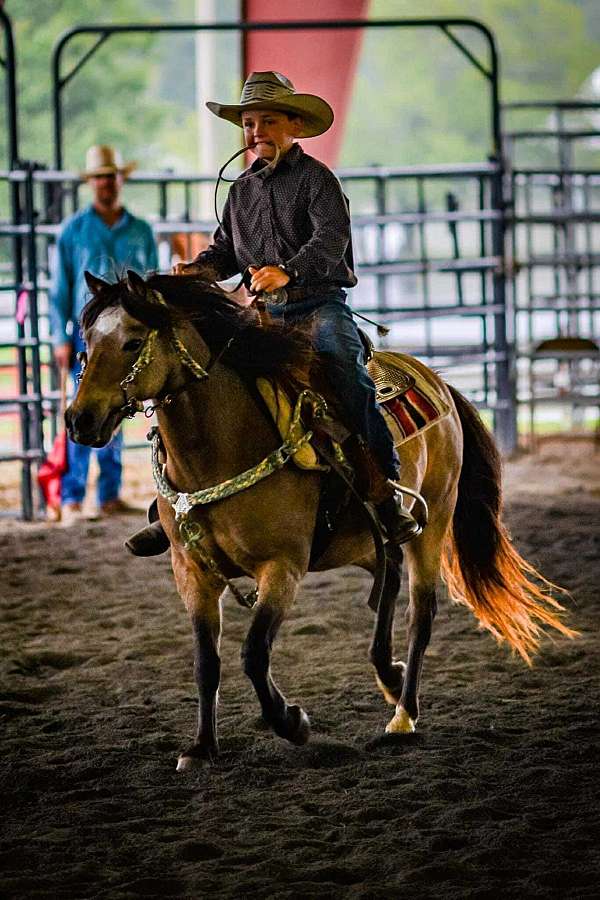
(286,223)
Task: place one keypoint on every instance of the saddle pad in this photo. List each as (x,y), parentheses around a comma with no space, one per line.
(278,404)
(410,404)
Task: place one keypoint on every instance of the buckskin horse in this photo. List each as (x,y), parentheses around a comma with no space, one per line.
(231,506)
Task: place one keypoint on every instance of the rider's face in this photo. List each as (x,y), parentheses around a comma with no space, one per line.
(264,129)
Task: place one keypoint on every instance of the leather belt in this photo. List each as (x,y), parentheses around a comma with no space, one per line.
(295,294)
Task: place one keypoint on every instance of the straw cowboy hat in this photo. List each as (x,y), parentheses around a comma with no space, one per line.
(103,160)
(270,90)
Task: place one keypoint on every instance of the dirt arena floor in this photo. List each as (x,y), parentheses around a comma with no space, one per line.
(496,796)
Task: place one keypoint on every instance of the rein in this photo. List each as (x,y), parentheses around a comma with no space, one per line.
(221,177)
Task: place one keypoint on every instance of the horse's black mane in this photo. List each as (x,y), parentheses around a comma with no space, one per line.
(257,348)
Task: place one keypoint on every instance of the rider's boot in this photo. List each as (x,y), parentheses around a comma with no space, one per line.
(151,540)
(398,523)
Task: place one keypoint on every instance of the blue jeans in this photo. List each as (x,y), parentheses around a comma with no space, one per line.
(78,457)
(337,341)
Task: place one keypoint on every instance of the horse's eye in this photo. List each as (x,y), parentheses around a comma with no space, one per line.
(133,346)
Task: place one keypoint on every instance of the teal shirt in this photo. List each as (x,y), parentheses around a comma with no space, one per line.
(87,242)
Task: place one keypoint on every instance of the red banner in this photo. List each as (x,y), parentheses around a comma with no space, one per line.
(317,62)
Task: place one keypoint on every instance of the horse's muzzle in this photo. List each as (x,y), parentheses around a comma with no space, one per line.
(86,428)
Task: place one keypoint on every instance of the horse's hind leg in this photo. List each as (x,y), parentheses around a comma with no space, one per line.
(277,588)
(389,673)
(201,597)
(423,557)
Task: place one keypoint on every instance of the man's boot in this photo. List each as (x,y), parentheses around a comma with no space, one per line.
(151,540)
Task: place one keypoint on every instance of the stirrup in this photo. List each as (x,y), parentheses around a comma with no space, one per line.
(402,489)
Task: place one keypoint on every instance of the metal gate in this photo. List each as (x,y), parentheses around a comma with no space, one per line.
(429,242)
(555,195)
(19,338)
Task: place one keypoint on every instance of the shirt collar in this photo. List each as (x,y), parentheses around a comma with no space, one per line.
(121,222)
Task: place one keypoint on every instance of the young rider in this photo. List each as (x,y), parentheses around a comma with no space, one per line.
(286,224)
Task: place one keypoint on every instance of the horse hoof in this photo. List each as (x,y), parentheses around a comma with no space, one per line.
(299,732)
(401,723)
(188,764)
(195,758)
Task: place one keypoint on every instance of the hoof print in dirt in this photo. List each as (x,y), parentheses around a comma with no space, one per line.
(389,739)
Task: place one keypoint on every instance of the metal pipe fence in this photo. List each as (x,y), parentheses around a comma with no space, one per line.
(555,249)
(429,246)
(427,255)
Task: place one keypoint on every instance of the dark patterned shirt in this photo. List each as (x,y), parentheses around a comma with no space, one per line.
(294,215)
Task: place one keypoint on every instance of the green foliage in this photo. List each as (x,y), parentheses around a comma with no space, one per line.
(427,104)
(114,98)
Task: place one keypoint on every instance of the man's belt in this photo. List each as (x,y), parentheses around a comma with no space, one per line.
(296,294)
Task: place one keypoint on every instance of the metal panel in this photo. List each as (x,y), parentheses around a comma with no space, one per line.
(430,245)
(556,260)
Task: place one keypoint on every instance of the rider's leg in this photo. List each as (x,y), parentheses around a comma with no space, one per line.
(337,340)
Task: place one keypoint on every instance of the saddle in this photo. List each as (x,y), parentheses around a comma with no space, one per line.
(409,405)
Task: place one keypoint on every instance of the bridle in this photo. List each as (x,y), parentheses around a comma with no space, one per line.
(131,405)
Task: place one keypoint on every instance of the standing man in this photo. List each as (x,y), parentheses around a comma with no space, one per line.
(105,239)
(286,225)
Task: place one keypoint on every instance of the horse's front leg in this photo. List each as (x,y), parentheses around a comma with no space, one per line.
(201,597)
(277,588)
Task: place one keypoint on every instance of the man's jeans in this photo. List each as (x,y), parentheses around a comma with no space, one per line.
(109,461)
(336,339)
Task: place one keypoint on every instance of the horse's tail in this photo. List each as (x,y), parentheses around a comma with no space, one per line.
(480,566)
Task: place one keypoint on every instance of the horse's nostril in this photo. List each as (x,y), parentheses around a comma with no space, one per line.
(83,421)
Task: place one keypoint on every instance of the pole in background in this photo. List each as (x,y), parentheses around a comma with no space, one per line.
(205,89)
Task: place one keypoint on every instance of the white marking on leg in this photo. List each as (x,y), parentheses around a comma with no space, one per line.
(186,764)
(401,723)
(387,694)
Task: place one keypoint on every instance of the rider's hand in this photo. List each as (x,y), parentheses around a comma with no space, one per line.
(62,355)
(268,279)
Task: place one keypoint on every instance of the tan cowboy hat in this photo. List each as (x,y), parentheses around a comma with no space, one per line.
(103,160)
(270,90)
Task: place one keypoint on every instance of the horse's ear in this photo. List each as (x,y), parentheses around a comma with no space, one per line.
(136,283)
(95,284)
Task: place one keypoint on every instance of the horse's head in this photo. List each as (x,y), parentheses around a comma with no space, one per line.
(147,339)
(127,328)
